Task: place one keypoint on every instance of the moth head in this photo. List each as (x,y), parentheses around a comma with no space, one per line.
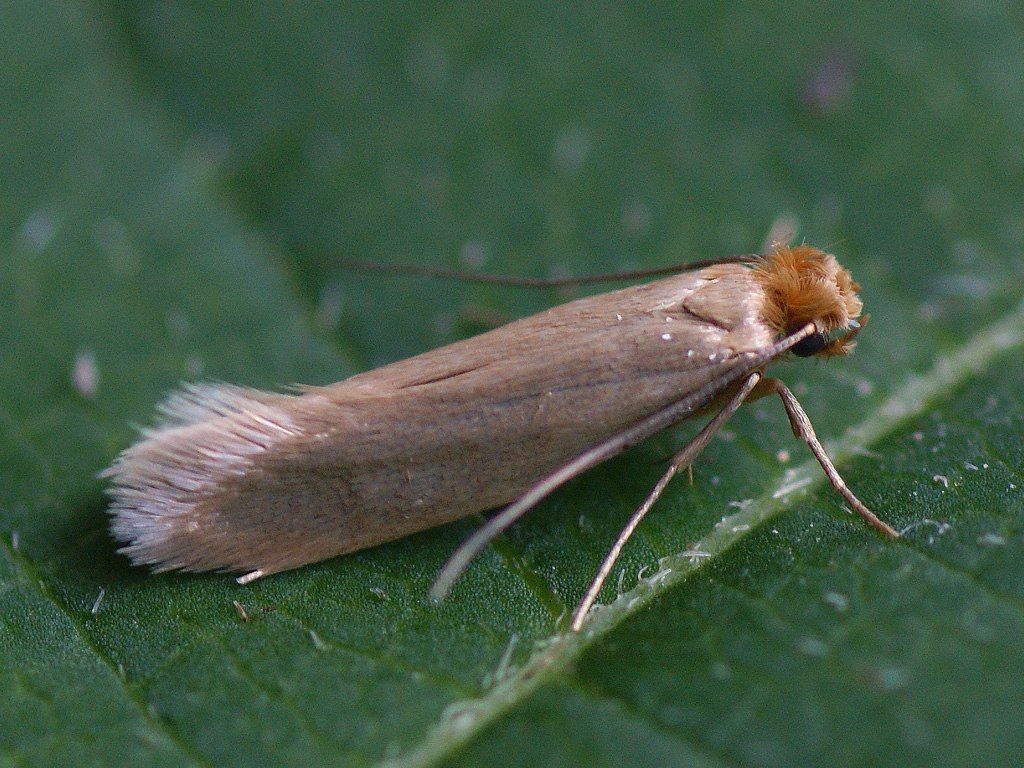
(805,285)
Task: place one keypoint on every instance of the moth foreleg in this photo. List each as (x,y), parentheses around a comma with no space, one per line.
(803,429)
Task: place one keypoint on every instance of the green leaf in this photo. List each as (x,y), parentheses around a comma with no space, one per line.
(183,186)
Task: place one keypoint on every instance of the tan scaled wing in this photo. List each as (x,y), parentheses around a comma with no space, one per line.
(243,480)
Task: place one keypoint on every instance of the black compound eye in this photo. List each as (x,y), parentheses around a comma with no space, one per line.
(811,345)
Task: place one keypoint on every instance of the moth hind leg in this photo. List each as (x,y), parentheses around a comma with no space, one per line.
(683,459)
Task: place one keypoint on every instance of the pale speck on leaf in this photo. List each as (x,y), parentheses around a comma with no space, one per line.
(85,374)
(812,646)
(991,540)
(474,254)
(38,230)
(837,600)
(329,307)
(571,150)
(636,217)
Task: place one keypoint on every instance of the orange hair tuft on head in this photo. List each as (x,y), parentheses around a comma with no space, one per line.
(806,285)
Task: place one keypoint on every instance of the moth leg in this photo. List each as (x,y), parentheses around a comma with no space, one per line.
(804,431)
(671,414)
(681,460)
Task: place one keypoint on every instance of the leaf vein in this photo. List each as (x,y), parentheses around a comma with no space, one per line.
(245,672)
(713,755)
(444,683)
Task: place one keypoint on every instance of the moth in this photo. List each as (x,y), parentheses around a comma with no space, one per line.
(237,479)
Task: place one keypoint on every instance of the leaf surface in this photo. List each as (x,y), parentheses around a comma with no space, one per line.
(184,184)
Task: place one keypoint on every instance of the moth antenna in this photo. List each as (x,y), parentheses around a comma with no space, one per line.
(541,282)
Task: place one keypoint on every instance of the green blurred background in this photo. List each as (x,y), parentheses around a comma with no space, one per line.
(181,186)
